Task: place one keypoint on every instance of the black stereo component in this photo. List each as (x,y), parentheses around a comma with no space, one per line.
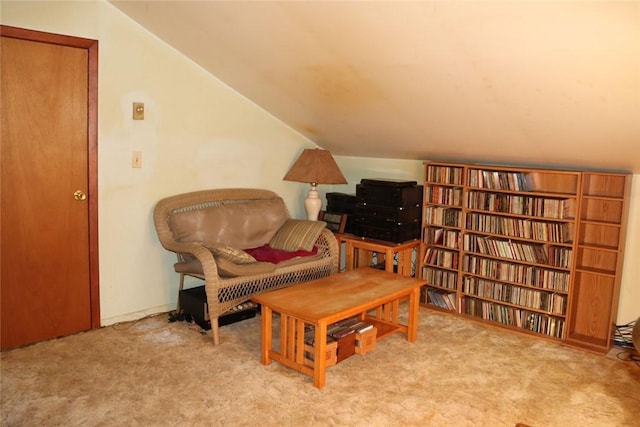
(409,213)
(395,234)
(388,182)
(341,203)
(388,195)
(193,302)
(389,210)
(379,221)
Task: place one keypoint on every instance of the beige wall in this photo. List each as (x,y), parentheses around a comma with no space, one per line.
(198,133)
(629,302)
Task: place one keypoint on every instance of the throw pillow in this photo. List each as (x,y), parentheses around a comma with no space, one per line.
(296,234)
(236,256)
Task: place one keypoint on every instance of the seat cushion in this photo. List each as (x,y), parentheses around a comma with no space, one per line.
(226,268)
(297,234)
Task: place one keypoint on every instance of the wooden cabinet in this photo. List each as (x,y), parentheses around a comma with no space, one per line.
(534,250)
(601,232)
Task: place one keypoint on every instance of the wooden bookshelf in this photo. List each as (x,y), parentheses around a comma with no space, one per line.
(538,251)
(601,232)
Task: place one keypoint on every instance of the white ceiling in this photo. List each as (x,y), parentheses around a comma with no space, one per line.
(527,82)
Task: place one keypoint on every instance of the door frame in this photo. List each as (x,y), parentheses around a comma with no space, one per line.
(92,145)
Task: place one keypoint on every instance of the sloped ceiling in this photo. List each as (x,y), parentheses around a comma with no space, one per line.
(525,82)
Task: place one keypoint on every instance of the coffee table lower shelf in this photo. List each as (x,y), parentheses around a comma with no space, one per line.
(384,328)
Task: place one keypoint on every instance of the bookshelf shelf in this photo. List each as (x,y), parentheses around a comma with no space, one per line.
(537,251)
(560,289)
(518,305)
(597,271)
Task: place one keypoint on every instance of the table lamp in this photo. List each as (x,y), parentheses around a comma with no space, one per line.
(315,166)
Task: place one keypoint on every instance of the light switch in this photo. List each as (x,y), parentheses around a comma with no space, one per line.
(136,159)
(138,111)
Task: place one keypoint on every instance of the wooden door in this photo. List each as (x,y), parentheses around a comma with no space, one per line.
(49,200)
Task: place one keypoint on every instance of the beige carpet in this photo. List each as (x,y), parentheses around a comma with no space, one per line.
(458,373)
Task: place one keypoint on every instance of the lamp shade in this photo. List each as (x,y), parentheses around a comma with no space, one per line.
(315,166)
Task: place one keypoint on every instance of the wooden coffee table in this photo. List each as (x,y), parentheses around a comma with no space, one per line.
(372,295)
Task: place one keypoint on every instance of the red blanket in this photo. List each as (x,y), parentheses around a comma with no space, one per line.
(266,253)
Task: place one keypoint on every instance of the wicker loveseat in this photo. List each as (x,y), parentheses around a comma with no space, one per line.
(210,230)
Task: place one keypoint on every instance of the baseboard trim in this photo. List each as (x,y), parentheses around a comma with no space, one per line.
(108,321)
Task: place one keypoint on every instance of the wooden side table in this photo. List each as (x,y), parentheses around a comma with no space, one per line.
(360,252)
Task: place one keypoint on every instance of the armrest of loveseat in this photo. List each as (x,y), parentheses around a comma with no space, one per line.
(199,251)
(327,245)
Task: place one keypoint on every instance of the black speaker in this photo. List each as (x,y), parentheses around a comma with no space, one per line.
(193,302)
